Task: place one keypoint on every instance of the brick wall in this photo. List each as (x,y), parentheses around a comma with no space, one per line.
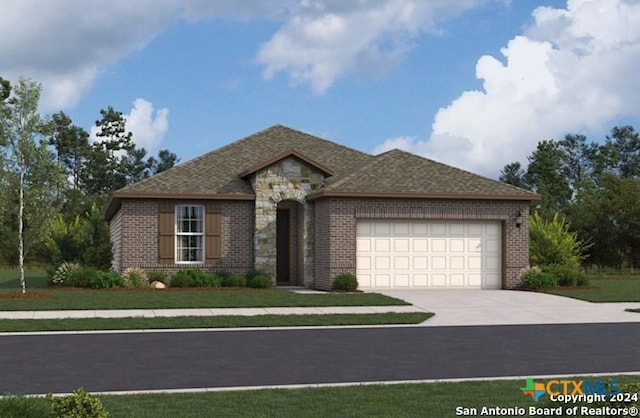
(115,227)
(336,229)
(139,235)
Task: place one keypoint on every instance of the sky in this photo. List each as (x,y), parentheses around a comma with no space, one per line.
(471,83)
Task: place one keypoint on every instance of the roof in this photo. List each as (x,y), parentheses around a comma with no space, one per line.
(221,174)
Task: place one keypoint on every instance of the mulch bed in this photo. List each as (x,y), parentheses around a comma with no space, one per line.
(28,295)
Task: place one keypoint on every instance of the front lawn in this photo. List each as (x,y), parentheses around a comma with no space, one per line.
(217,321)
(607,289)
(41,298)
(401,400)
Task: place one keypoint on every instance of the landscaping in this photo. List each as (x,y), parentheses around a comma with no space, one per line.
(401,400)
(605,289)
(217,321)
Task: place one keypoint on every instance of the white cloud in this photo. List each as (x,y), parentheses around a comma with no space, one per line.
(147,125)
(325,39)
(67,44)
(573,69)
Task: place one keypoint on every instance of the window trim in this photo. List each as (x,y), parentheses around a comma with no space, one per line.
(201,234)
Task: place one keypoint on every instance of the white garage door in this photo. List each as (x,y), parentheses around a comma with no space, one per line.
(429,254)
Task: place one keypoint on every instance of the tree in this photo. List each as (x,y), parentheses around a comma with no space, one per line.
(29,168)
(166,160)
(513,174)
(545,176)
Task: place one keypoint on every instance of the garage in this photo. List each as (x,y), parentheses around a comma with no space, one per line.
(429,254)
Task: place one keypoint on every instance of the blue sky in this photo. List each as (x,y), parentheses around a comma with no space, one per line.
(472,83)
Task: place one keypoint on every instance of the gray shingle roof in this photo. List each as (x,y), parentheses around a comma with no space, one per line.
(218,174)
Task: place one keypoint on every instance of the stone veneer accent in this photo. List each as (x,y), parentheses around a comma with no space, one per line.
(287,179)
(335,229)
(135,235)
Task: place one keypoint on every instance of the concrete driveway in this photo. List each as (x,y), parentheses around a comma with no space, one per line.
(505,307)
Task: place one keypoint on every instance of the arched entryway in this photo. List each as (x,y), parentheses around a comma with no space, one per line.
(289,243)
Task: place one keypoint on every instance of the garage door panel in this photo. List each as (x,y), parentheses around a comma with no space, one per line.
(420,280)
(382,280)
(382,245)
(438,245)
(401,245)
(420,246)
(456,280)
(438,280)
(363,245)
(439,263)
(429,254)
(401,280)
(382,263)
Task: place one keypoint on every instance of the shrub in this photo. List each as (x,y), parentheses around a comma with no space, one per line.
(212,280)
(260,281)
(567,275)
(223,274)
(551,242)
(159,276)
(345,281)
(83,276)
(234,281)
(79,404)
(106,280)
(20,406)
(136,277)
(194,277)
(535,278)
(60,275)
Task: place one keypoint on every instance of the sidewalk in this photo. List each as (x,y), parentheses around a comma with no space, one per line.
(158,313)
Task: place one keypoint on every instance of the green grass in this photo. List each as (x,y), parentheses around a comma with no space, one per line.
(74,299)
(606,289)
(181,322)
(402,400)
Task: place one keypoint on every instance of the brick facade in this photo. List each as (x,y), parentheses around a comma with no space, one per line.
(137,240)
(329,246)
(335,219)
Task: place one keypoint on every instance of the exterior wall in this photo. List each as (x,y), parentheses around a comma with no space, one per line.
(139,235)
(287,179)
(115,227)
(335,241)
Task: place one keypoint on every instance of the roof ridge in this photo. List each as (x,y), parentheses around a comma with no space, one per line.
(366,166)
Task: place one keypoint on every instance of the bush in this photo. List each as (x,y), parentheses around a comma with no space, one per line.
(159,276)
(212,280)
(107,280)
(20,406)
(60,275)
(535,278)
(234,281)
(136,277)
(567,275)
(223,274)
(551,242)
(345,281)
(82,277)
(260,281)
(193,277)
(79,404)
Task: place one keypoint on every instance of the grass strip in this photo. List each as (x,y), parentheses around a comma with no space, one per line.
(235,321)
(605,290)
(79,299)
(398,400)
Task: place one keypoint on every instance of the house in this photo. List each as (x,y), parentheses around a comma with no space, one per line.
(304,209)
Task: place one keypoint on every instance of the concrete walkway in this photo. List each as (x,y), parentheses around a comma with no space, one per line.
(511,307)
(451,307)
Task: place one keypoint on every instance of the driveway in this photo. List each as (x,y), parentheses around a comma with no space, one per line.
(510,307)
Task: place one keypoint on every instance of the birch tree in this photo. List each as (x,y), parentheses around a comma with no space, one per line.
(30,173)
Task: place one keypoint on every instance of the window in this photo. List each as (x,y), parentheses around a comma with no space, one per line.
(190,234)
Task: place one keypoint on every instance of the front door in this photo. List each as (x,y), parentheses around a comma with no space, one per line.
(283,246)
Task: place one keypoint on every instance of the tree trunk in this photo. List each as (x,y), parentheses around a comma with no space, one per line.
(21,232)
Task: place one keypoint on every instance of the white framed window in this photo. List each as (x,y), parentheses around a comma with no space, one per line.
(189,234)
